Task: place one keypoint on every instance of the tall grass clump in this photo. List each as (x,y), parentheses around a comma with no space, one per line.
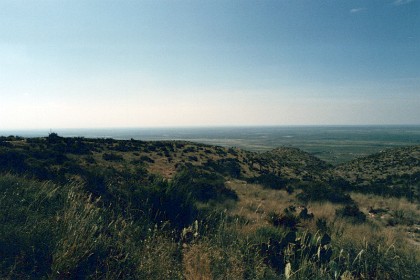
(95,242)
(27,226)
(375,252)
(50,231)
(222,253)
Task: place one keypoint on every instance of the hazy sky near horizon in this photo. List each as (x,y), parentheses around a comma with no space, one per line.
(75,64)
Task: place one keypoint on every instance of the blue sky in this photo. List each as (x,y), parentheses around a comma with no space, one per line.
(75,64)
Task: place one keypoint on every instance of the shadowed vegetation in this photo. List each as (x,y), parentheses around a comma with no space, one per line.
(75,208)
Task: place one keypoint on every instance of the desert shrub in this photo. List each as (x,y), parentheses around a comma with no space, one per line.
(232,151)
(47,156)
(167,154)
(96,182)
(53,138)
(137,162)
(404,185)
(401,217)
(72,167)
(112,184)
(146,159)
(352,212)
(222,252)
(40,170)
(323,192)
(286,220)
(190,149)
(90,159)
(124,146)
(47,231)
(75,145)
(269,180)
(149,148)
(227,167)
(93,242)
(175,201)
(178,205)
(27,227)
(156,202)
(192,158)
(221,152)
(204,186)
(13,161)
(5,143)
(112,157)
(374,259)
(282,249)
(321,225)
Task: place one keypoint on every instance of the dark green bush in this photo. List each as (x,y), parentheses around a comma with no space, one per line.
(323,192)
(269,180)
(192,158)
(321,225)
(112,157)
(27,227)
(146,159)
(13,161)
(204,186)
(227,167)
(287,220)
(352,212)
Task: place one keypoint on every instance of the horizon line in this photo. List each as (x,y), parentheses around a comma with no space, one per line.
(51,129)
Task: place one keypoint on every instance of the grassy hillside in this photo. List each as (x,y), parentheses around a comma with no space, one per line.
(75,208)
(394,171)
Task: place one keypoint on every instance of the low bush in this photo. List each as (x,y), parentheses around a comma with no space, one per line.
(352,212)
(270,180)
(286,220)
(323,192)
(146,159)
(204,186)
(112,157)
(226,167)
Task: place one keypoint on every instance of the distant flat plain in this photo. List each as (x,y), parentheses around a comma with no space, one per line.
(334,144)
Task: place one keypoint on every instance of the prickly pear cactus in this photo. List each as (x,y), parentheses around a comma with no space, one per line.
(284,253)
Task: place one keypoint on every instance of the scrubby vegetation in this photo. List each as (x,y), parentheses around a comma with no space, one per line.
(75,208)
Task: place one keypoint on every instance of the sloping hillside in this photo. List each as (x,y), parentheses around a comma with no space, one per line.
(397,169)
(291,163)
(55,156)
(397,161)
(76,208)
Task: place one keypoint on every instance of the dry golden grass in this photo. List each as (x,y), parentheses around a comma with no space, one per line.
(156,258)
(162,167)
(362,233)
(321,210)
(196,262)
(256,202)
(365,201)
(199,261)
(404,214)
(325,210)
